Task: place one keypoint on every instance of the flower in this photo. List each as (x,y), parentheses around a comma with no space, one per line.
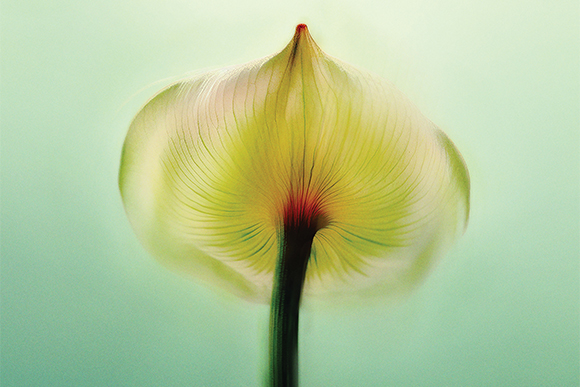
(216,166)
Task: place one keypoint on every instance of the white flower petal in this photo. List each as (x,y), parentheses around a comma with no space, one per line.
(211,163)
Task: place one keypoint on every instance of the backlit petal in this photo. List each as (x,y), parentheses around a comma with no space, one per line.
(211,165)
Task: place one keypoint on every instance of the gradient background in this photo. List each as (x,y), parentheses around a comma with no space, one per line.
(84,305)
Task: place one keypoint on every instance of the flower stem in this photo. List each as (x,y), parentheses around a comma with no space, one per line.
(295,247)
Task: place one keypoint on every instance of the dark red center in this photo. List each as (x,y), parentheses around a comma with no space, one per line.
(304,210)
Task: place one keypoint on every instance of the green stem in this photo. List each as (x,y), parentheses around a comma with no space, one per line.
(295,247)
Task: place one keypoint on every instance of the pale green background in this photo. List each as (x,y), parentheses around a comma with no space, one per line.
(84,305)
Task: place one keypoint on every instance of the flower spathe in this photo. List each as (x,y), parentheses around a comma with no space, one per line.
(214,166)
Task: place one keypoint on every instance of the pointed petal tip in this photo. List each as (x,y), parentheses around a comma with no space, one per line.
(301,33)
(300,28)
(300,41)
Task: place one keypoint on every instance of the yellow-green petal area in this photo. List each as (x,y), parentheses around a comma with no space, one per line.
(211,164)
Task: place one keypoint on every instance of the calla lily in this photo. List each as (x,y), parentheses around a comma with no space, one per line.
(296,171)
